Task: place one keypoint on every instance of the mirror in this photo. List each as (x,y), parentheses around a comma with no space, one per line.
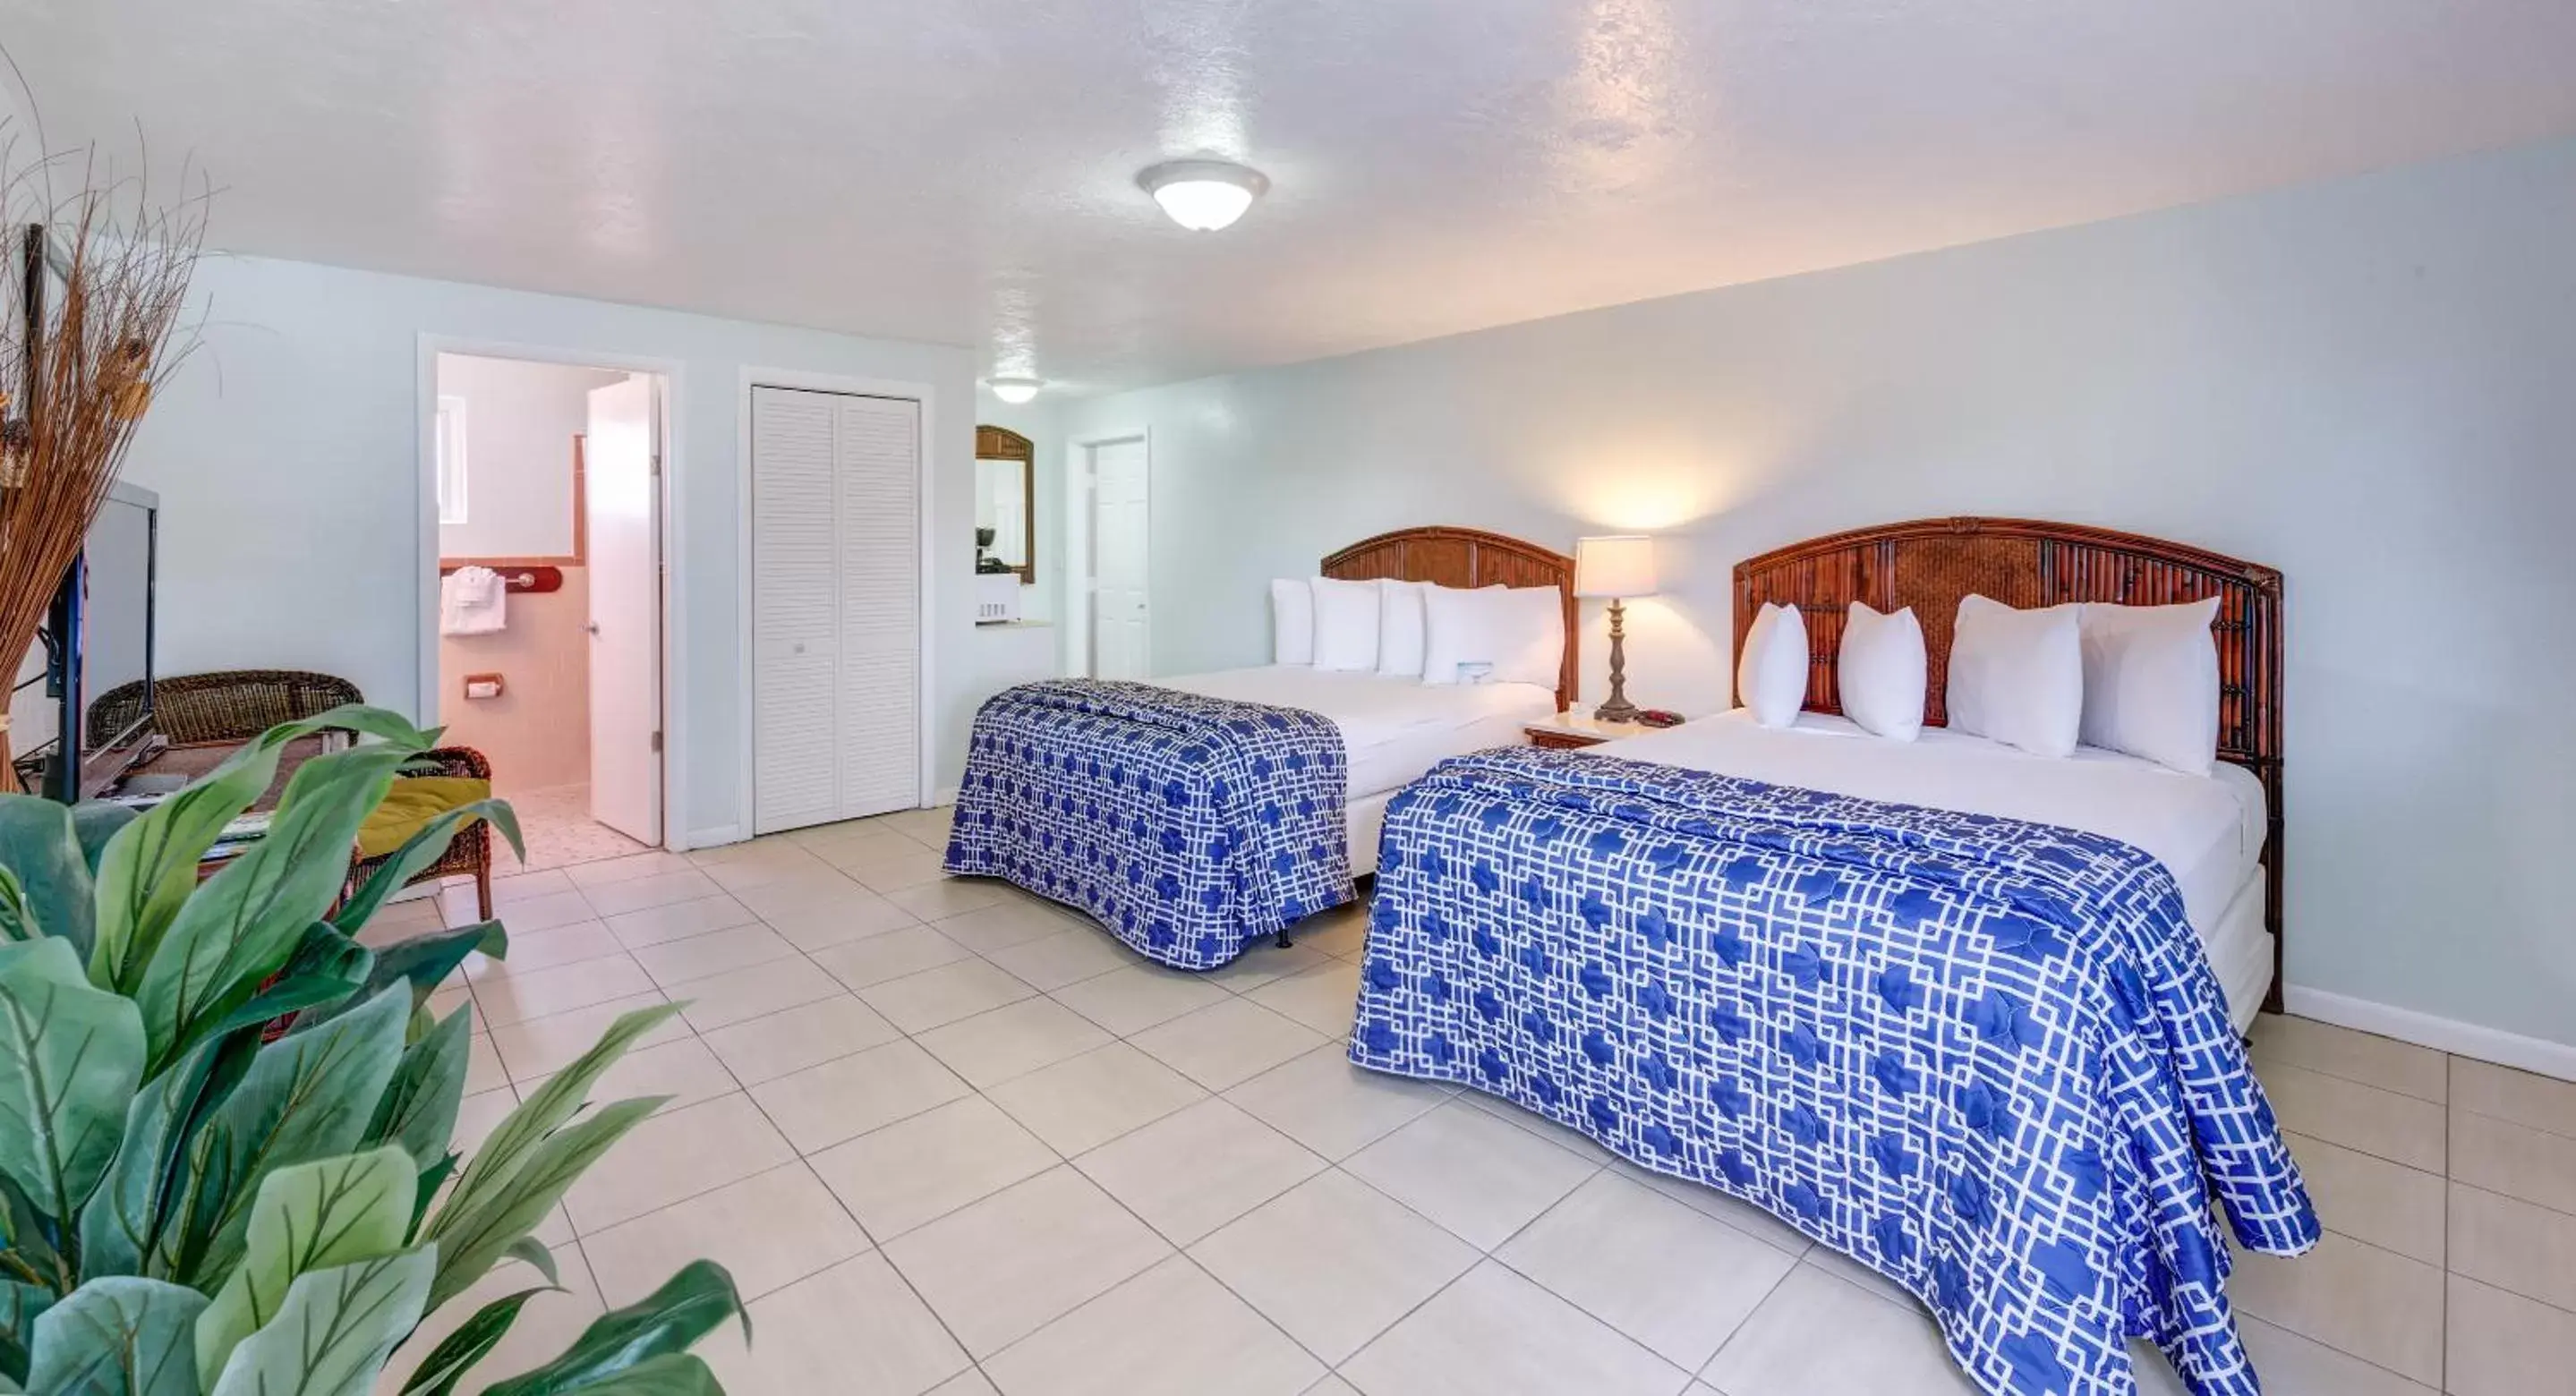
(1006,525)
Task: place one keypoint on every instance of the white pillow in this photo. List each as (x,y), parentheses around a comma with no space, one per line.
(1518,631)
(1527,634)
(2151,682)
(1453,630)
(1771,677)
(1292,621)
(1345,624)
(1400,628)
(1881,672)
(2017,676)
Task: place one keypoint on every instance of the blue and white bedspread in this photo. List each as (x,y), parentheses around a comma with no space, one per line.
(1189,826)
(1987,1058)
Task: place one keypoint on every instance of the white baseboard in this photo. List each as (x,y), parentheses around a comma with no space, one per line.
(2441,1034)
(716,837)
(938,798)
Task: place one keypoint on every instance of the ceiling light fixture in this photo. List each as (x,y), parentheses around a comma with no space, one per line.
(1204,195)
(1014,390)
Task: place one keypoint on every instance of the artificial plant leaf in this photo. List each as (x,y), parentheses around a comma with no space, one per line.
(120,1335)
(306,1096)
(324,949)
(473,1238)
(325,976)
(70,1058)
(672,1374)
(418,1109)
(524,1128)
(335,1330)
(686,1308)
(94,822)
(425,961)
(17,919)
(38,846)
(294,994)
(135,1220)
(29,1244)
(531,1252)
(447,1363)
(245,922)
(150,865)
(422,849)
(310,1216)
(20,1305)
(432,1179)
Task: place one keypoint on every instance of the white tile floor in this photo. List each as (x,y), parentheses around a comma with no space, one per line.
(556,825)
(950,1139)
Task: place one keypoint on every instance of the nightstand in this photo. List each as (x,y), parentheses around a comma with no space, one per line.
(1566,731)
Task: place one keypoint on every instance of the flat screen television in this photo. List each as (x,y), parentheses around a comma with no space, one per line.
(85,687)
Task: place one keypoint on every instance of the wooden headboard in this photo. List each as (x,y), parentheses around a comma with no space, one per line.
(1466,557)
(1930,564)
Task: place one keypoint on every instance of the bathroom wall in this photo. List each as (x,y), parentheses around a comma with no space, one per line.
(537,733)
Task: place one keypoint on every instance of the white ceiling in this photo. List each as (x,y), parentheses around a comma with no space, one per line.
(960,171)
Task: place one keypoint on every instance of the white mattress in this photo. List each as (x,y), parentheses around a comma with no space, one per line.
(2207,830)
(1393,729)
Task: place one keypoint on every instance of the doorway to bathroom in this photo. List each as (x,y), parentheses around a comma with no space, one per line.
(547,481)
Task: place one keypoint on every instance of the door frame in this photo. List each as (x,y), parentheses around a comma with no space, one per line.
(668,545)
(924,396)
(1080,495)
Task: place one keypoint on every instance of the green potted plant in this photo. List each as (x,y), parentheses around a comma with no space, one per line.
(225,1162)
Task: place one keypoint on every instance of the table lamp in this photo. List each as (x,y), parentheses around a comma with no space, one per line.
(1617,567)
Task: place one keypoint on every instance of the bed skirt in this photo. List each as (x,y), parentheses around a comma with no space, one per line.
(1189,826)
(1986,1058)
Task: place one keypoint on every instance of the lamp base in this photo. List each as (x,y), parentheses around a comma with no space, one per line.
(1616,710)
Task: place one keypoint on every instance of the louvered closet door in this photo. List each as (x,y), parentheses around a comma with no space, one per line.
(836,606)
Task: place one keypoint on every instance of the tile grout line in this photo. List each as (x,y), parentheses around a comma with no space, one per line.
(805,1160)
(2451,1092)
(1178,1250)
(876,1247)
(974,1363)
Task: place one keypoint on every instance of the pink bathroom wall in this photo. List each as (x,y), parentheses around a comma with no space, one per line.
(537,734)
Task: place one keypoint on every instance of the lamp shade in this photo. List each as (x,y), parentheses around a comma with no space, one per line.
(1619,566)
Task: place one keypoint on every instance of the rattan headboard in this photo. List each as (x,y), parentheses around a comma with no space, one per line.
(1930,564)
(1466,557)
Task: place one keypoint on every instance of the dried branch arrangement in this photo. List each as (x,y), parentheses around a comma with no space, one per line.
(97,280)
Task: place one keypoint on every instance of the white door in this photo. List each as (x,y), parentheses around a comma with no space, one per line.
(621,459)
(836,606)
(1121,627)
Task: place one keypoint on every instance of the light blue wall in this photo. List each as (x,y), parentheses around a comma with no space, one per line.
(286,455)
(2370,384)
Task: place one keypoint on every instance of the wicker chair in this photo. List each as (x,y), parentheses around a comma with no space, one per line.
(470,852)
(222,708)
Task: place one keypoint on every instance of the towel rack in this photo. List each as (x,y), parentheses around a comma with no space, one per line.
(515,578)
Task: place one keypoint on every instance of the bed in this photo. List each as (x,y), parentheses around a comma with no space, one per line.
(1199,814)
(1968,1017)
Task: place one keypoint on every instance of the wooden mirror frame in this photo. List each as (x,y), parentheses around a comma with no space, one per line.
(1002,443)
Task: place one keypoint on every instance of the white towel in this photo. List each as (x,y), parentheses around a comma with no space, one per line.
(469,602)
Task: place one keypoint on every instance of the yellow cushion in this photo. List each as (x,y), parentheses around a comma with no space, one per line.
(408,808)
